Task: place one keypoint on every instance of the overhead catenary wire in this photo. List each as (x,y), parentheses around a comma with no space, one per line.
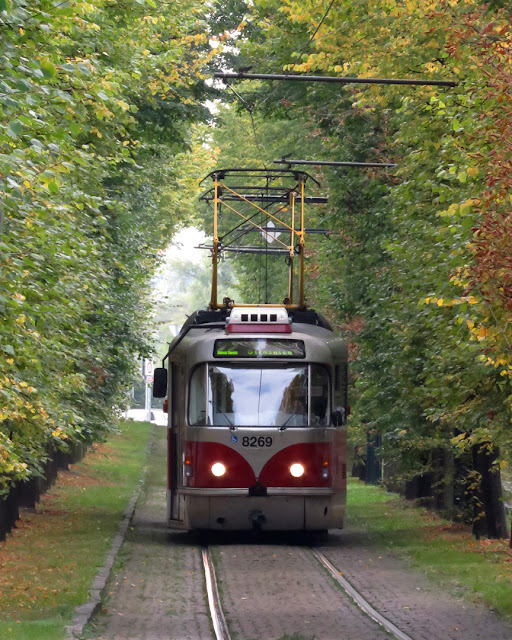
(301,49)
(251,108)
(321,22)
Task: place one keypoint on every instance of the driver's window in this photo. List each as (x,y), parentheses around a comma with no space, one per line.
(319,395)
(197,397)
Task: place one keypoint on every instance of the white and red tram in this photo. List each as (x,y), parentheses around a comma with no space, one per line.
(257,400)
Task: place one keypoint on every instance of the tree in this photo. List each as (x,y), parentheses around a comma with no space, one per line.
(97,102)
(419,270)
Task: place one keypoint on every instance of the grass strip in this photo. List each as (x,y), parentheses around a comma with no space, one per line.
(49,562)
(445,551)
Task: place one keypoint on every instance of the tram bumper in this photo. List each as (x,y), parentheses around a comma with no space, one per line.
(263,513)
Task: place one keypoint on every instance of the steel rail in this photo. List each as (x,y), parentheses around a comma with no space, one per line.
(222,75)
(358,599)
(334,163)
(219,622)
(247,249)
(258,197)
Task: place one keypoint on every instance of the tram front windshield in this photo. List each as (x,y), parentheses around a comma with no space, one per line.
(258,396)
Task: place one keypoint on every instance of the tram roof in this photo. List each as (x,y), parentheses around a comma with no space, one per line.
(322,344)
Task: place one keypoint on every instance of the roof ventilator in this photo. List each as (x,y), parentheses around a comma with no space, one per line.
(259,320)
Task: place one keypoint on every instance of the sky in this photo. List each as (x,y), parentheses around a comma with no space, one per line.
(182,247)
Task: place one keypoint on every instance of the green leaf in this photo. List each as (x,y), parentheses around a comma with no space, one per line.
(15,128)
(48,69)
(75,128)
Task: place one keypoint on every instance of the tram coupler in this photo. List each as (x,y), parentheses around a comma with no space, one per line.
(258,519)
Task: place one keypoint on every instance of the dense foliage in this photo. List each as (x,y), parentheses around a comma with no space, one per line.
(99,161)
(96,105)
(418,273)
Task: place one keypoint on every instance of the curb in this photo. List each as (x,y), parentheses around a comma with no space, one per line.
(84,612)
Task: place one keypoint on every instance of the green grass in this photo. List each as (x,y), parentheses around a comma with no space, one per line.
(444,551)
(49,562)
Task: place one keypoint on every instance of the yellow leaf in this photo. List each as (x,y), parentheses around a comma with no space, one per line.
(482,333)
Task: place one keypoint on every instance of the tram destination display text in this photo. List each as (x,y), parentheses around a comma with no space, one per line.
(259,348)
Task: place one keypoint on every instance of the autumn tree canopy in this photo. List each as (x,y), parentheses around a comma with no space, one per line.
(418,272)
(97,105)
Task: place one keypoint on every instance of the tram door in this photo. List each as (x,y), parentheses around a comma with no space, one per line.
(173,447)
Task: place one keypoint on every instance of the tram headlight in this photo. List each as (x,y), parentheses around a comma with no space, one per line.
(297,470)
(218,469)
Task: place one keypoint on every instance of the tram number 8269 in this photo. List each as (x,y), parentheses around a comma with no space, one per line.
(255,441)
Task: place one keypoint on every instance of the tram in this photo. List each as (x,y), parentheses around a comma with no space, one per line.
(257,407)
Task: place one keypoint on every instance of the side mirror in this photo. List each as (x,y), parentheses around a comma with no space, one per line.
(160,383)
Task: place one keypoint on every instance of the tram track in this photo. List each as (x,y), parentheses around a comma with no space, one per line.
(216,613)
(359,600)
(356,599)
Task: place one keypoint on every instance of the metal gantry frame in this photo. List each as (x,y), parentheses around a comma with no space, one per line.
(294,199)
(295,196)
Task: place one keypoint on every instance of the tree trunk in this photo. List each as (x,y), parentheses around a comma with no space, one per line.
(443,464)
(489,511)
(373,464)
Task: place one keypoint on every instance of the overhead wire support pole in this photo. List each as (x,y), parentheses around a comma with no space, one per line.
(332,163)
(221,75)
(215,252)
(302,242)
(292,252)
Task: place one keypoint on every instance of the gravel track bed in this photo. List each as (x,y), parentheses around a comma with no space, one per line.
(275,590)
(406,597)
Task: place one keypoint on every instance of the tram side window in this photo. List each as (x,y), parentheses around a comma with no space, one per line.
(319,395)
(197,397)
(293,409)
(221,391)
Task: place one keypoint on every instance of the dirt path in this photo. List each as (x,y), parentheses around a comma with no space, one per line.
(271,588)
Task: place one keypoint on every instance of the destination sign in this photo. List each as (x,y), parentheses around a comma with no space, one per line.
(259,348)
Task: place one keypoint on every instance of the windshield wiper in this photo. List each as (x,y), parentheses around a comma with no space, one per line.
(215,408)
(282,427)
